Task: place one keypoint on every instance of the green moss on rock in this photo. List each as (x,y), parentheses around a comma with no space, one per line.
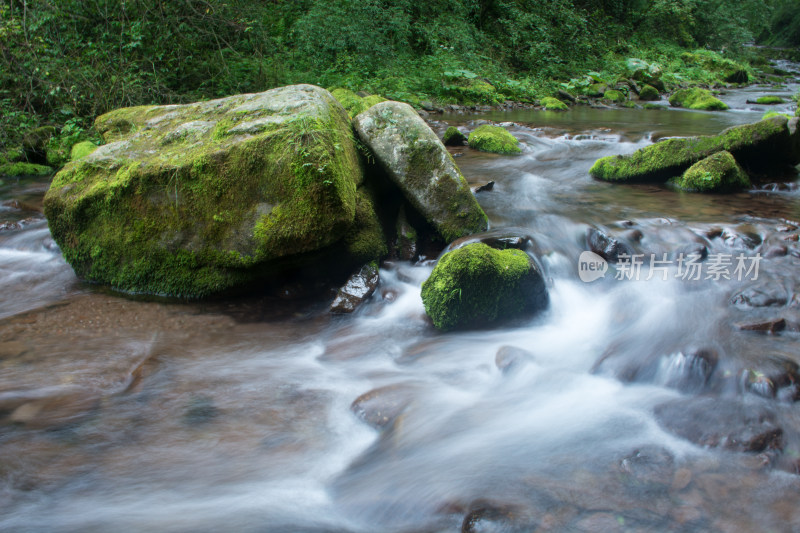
(494,139)
(417,162)
(698,99)
(770,114)
(717,173)
(454,137)
(24,169)
(649,93)
(762,145)
(614,95)
(553,104)
(82,149)
(770,100)
(477,285)
(202,198)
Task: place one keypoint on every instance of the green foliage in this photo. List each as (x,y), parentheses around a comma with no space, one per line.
(24,169)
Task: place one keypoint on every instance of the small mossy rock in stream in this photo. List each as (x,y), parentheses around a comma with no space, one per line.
(24,169)
(477,285)
(698,99)
(770,100)
(553,104)
(81,149)
(196,199)
(454,137)
(488,138)
(716,173)
(760,146)
(649,93)
(417,162)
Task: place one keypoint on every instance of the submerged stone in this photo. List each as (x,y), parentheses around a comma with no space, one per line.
(418,163)
(494,139)
(191,200)
(759,146)
(716,173)
(477,285)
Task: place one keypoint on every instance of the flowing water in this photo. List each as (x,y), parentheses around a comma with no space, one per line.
(121,414)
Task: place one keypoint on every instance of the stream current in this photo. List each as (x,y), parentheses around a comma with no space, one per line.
(123,414)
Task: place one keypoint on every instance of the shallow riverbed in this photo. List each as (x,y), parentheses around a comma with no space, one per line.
(122,414)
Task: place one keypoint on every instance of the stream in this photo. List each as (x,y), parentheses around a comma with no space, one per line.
(629,405)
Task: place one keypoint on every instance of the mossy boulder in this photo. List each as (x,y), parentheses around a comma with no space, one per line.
(192,200)
(417,162)
(614,95)
(478,285)
(763,145)
(553,104)
(770,100)
(494,139)
(716,173)
(24,169)
(596,89)
(454,137)
(81,149)
(649,93)
(698,99)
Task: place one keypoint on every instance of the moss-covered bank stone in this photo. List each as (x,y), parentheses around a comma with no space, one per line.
(699,99)
(716,173)
(614,95)
(553,104)
(477,285)
(418,163)
(353,103)
(81,149)
(648,93)
(756,147)
(494,139)
(24,169)
(191,200)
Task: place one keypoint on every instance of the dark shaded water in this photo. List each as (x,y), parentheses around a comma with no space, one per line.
(123,415)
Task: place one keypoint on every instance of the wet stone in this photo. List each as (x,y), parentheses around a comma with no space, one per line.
(510,358)
(380,407)
(692,250)
(763,295)
(688,370)
(606,247)
(483,188)
(357,290)
(770,326)
(201,410)
(502,239)
(725,423)
(490,517)
(778,250)
(648,467)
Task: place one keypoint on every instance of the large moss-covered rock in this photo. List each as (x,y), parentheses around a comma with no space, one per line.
(418,163)
(698,99)
(493,139)
(756,147)
(477,285)
(716,173)
(195,199)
